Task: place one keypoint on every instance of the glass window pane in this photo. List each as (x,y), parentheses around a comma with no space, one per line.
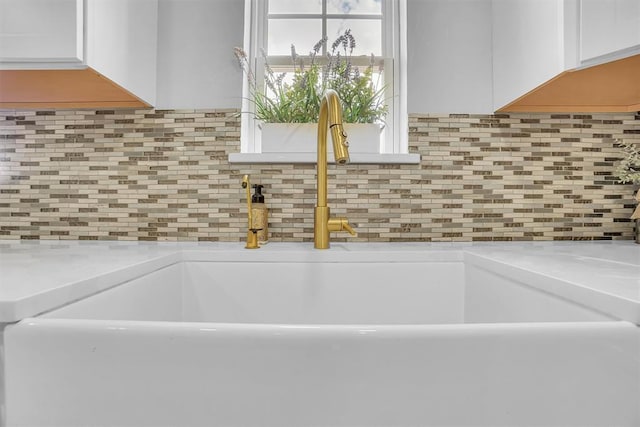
(303,33)
(295,6)
(367,32)
(354,6)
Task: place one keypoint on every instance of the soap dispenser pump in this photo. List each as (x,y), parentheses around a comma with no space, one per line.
(260,214)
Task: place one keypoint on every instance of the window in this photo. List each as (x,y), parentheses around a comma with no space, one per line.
(272,26)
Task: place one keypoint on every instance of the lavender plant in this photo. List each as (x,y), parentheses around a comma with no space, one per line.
(298,100)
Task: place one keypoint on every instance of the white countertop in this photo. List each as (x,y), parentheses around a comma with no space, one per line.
(37,276)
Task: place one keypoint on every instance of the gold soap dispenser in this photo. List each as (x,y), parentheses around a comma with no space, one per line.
(260,214)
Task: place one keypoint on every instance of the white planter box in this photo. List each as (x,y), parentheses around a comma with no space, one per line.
(302,137)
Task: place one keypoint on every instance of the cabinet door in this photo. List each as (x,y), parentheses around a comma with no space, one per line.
(33,31)
(608,26)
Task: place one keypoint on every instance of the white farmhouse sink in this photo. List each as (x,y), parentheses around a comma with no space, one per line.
(387,338)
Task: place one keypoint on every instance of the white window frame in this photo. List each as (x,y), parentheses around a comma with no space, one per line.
(394,40)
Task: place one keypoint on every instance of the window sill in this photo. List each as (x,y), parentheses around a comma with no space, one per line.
(407,159)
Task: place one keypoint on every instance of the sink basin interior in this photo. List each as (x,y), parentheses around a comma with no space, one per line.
(435,292)
(283,292)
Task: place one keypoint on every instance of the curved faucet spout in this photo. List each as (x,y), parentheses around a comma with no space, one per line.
(330,118)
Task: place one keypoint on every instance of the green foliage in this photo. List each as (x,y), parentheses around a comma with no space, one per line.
(298,101)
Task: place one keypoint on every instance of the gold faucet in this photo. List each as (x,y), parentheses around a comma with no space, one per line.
(331,117)
(252,233)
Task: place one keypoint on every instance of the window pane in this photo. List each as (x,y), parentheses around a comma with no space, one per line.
(367,32)
(354,6)
(303,33)
(295,6)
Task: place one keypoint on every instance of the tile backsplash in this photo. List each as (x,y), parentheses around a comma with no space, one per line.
(164,175)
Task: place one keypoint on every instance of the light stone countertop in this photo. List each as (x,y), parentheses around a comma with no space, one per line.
(37,276)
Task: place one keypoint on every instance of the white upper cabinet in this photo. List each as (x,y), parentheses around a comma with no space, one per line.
(116,39)
(609,29)
(537,42)
(528,46)
(41,31)
(122,39)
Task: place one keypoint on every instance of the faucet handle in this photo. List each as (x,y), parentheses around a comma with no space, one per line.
(347,227)
(341,224)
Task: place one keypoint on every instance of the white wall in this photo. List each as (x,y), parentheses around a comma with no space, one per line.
(196,66)
(449,56)
(449,66)
(464,56)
